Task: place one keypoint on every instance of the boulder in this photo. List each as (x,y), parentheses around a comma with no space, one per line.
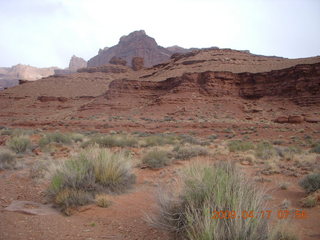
(282,119)
(295,119)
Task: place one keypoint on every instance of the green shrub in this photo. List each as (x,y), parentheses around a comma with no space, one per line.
(92,171)
(159,140)
(311,182)
(316,148)
(207,188)
(239,145)
(156,159)
(56,137)
(186,152)
(7,160)
(19,144)
(265,150)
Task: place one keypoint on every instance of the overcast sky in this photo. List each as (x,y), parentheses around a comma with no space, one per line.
(47,33)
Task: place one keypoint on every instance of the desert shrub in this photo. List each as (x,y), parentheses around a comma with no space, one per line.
(103,201)
(287,152)
(205,189)
(186,152)
(76,137)
(70,198)
(56,137)
(156,158)
(282,231)
(311,182)
(316,148)
(310,201)
(265,150)
(19,144)
(239,145)
(112,141)
(192,140)
(39,169)
(92,171)
(6,132)
(7,160)
(159,140)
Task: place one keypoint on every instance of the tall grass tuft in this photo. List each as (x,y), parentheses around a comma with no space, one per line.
(93,171)
(207,188)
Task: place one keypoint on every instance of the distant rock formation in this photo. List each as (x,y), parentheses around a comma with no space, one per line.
(77,63)
(178,49)
(136,44)
(10,77)
(74,64)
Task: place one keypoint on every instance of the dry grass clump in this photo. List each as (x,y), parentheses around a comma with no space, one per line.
(91,172)
(19,144)
(103,201)
(56,137)
(156,158)
(207,188)
(187,152)
(311,200)
(283,230)
(239,145)
(110,141)
(7,160)
(265,151)
(159,140)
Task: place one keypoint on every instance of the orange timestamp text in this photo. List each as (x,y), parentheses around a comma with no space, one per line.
(280,214)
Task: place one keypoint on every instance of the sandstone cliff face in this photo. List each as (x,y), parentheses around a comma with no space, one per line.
(136,44)
(301,84)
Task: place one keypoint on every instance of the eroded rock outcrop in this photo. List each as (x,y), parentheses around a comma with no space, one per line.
(300,84)
(106,69)
(136,44)
(118,61)
(137,63)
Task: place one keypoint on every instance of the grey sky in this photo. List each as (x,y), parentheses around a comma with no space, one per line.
(47,33)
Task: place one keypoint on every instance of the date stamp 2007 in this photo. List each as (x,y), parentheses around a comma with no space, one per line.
(280,214)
